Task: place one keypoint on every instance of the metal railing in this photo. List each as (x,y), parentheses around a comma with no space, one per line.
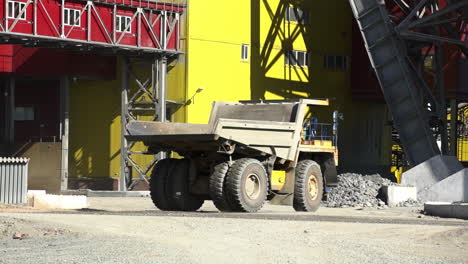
(13,180)
(312,130)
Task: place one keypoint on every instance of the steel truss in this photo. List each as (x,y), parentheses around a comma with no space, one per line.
(427,27)
(145,102)
(153,27)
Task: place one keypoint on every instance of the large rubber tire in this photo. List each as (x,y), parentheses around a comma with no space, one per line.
(242,198)
(159,183)
(308,187)
(180,188)
(217,187)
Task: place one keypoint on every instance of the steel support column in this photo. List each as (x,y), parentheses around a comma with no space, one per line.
(125,170)
(146,99)
(162,90)
(440,88)
(453,127)
(11,110)
(64,133)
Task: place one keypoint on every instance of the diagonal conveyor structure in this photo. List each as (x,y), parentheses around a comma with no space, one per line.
(388,56)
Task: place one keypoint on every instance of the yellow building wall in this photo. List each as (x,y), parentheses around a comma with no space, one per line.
(217,30)
(95,126)
(214,51)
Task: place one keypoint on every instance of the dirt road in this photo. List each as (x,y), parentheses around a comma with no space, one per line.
(130,230)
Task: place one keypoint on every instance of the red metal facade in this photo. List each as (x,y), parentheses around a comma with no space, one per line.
(41,62)
(43,97)
(145,26)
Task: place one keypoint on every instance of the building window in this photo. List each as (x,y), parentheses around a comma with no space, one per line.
(297,58)
(24,113)
(71,17)
(296,14)
(14,10)
(336,63)
(122,23)
(245,52)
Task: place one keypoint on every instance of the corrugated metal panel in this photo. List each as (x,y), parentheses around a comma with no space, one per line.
(13,180)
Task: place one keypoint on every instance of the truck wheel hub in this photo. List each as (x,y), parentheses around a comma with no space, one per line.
(313,187)
(252,186)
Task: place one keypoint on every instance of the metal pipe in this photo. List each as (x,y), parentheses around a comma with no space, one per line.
(124,169)
(162,89)
(65,110)
(161,106)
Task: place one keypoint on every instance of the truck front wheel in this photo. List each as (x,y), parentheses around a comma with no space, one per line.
(308,188)
(246,185)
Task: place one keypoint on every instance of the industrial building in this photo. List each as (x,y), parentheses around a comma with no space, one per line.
(62,100)
(203,131)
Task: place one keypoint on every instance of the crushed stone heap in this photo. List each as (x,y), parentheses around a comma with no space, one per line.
(356,190)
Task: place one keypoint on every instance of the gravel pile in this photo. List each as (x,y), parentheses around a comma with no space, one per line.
(356,190)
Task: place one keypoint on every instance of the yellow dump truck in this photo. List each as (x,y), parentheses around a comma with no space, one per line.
(236,160)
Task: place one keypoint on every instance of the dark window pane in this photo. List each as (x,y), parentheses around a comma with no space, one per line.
(330,62)
(300,58)
(10,9)
(339,63)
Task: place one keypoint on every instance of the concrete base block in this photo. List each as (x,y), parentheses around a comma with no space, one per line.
(49,201)
(431,171)
(452,210)
(398,194)
(451,189)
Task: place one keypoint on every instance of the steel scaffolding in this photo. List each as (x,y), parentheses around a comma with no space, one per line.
(149,99)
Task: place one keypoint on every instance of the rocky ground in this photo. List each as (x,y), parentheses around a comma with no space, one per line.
(19,228)
(131,230)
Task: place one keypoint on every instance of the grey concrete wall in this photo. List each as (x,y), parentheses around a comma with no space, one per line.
(44,166)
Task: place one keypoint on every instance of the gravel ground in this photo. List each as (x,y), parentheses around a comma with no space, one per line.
(130,230)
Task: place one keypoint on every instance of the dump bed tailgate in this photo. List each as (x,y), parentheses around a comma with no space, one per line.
(177,137)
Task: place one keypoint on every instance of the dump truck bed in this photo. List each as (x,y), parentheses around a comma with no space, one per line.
(266,127)
(251,136)
(179,137)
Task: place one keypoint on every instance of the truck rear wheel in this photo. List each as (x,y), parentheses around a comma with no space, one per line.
(217,187)
(308,188)
(246,185)
(159,185)
(180,188)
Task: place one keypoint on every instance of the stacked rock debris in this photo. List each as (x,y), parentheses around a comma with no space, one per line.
(356,190)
